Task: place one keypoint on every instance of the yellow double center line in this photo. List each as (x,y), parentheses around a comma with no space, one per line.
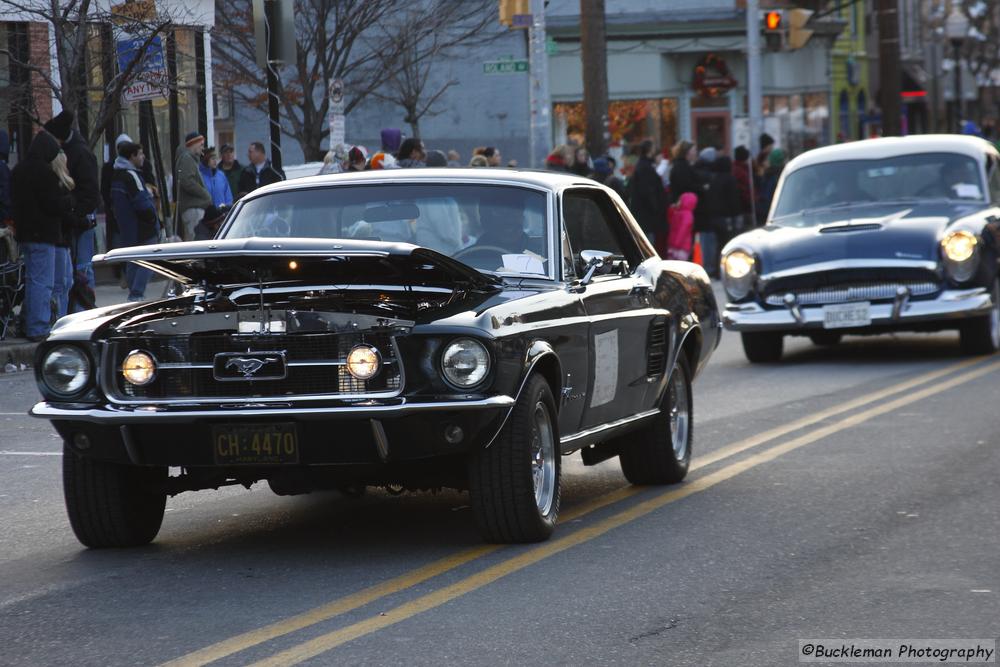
(437,598)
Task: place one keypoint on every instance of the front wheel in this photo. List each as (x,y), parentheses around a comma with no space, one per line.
(113,505)
(660,453)
(982,334)
(514,483)
(762,347)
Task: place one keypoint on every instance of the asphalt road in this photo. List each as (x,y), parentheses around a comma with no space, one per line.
(844,493)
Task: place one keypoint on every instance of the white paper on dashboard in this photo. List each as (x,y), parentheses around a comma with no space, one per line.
(967,191)
(523,264)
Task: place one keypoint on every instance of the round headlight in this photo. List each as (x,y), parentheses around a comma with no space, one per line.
(364,362)
(465,362)
(65,370)
(139,368)
(960,250)
(738,272)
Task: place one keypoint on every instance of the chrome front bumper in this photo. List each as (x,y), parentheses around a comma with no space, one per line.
(179,413)
(949,305)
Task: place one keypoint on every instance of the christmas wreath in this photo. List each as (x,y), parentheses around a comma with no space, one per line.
(712,77)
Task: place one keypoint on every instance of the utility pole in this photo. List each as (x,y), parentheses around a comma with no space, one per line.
(271,18)
(594,56)
(755,94)
(538,92)
(888,67)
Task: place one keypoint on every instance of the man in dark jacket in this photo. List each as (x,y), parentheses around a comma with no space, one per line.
(646,198)
(743,173)
(135,212)
(230,167)
(38,208)
(723,209)
(259,172)
(82,164)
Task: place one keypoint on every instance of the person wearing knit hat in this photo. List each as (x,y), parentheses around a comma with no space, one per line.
(84,170)
(192,195)
(355,159)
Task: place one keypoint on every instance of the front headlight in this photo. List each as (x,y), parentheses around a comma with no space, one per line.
(139,368)
(65,370)
(739,269)
(960,250)
(465,362)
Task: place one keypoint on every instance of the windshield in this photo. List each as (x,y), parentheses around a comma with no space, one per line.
(493,228)
(905,177)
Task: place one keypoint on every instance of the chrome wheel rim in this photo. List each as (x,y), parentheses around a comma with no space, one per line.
(995,316)
(680,414)
(543,458)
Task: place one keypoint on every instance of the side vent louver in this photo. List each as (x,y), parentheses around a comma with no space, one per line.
(656,362)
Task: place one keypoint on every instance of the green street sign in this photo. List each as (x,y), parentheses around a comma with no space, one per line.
(505,67)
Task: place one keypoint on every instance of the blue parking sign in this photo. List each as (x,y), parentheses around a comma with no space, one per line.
(128,51)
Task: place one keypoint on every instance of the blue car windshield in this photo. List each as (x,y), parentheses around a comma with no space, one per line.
(493,228)
(901,178)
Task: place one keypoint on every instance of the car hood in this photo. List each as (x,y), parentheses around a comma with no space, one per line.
(321,261)
(872,232)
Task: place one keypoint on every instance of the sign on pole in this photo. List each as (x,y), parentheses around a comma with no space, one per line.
(338,123)
(506,67)
(150,77)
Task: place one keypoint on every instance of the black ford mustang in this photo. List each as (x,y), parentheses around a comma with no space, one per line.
(869,237)
(412,329)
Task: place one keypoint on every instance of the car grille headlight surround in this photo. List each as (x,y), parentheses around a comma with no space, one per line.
(364,362)
(960,250)
(739,270)
(65,370)
(465,362)
(139,368)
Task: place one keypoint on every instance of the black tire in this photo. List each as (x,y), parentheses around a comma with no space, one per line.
(502,477)
(113,505)
(825,338)
(762,347)
(651,456)
(982,334)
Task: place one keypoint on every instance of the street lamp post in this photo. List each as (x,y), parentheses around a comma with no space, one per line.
(956,27)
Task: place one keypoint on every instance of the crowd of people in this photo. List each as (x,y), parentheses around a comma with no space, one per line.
(52,198)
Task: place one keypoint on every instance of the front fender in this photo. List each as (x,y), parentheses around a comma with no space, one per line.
(540,357)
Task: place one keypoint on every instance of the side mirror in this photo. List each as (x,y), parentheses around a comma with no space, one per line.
(594,261)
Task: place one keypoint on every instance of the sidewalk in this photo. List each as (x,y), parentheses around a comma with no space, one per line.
(21,351)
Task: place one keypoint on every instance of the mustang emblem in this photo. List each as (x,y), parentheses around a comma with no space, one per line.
(249,365)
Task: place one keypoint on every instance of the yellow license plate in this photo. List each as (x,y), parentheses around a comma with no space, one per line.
(255,444)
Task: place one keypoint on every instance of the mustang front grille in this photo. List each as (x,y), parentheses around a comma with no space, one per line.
(315,367)
(871,291)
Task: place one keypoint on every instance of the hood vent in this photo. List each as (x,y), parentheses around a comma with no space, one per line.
(837,229)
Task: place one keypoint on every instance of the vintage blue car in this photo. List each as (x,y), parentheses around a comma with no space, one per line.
(894,234)
(412,329)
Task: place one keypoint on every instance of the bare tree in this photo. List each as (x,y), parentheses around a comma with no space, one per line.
(427,36)
(75,24)
(366,44)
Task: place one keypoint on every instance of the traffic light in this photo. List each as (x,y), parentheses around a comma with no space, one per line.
(511,8)
(774,29)
(798,35)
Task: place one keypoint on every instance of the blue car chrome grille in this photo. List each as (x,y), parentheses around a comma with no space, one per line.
(315,367)
(870,291)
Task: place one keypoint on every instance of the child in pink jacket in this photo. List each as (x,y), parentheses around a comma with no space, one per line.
(680,217)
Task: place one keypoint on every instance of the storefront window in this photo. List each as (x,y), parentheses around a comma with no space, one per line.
(630,122)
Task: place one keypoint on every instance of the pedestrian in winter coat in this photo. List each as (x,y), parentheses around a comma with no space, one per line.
(391,139)
(192,195)
(559,158)
(682,175)
(436,159)
(4,177)
(38,208)
(723,205)
(743,173)
(604,173)
(681,219)
(646,198)
(84,171)
(215,180)
(230,167)
(769,182)
(111,234)
(411,154)
(135,212)
(356,160)
(259,172)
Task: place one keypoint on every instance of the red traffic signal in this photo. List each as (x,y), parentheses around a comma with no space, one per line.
(773,20)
